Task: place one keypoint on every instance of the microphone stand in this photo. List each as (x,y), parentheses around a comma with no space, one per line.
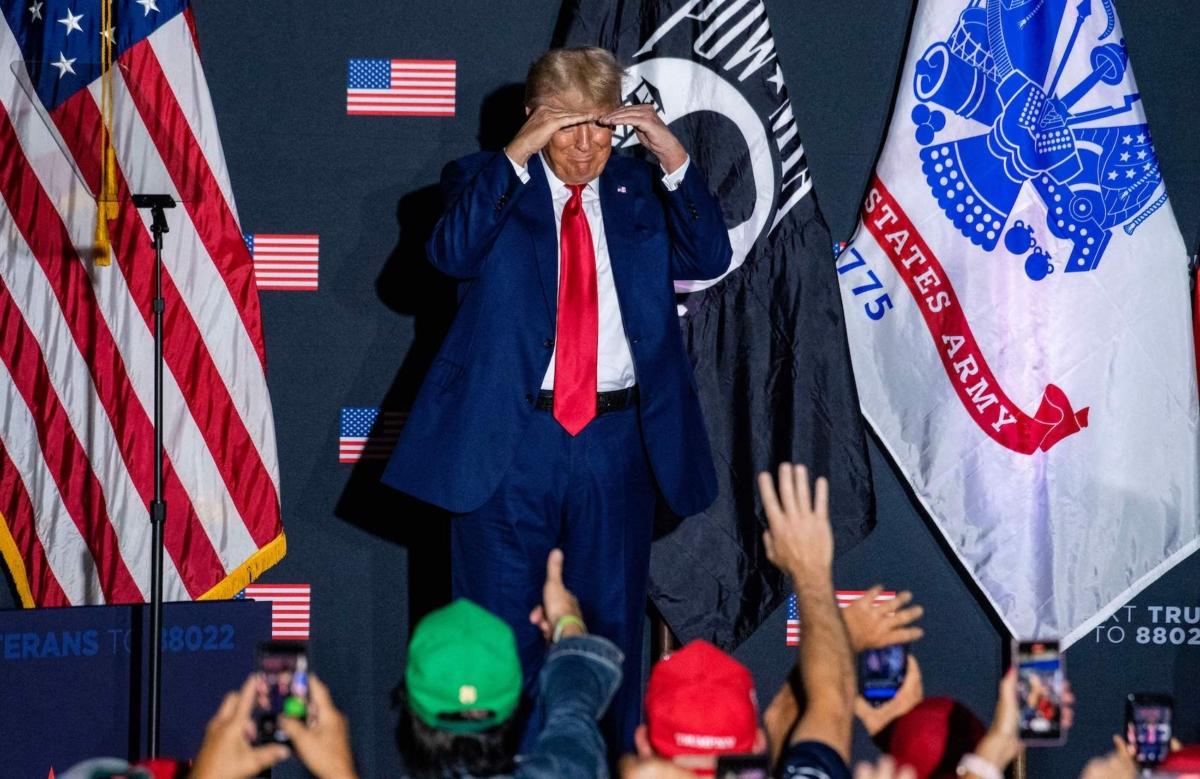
(158,506)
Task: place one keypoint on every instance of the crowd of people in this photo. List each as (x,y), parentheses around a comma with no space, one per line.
(462,713)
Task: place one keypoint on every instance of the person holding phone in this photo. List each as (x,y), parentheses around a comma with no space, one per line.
(464,680)
(462,685)
(1148,722)
(322,742)
(873,623)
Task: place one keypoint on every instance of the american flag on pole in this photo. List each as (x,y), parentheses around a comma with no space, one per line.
(844,599)
(284,262)
(291,608)
(401,87)
(368,433)
(76,348)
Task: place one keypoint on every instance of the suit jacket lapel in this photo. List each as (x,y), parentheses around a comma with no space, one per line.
(617,206)
(538,207)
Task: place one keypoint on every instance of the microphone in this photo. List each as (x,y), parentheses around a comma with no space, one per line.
(153,201)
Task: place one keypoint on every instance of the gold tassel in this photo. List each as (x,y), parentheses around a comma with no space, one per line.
(102,255)
(106,205)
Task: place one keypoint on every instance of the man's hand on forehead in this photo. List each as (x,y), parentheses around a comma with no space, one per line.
(543,122)
(652,132)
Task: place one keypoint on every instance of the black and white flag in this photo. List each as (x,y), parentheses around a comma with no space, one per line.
(767,340)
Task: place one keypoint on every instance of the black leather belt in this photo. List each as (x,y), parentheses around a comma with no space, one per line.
(616,400)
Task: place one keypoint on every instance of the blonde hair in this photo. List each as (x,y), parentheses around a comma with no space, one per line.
(593,71)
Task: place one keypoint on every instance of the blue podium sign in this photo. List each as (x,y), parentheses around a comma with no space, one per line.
(73,681)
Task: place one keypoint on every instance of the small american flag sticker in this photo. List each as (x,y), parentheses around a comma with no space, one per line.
(287,262)
(844,599)
(368,433)
(290,608)
(401,87)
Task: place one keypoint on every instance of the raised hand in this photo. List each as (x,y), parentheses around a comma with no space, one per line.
(322,743)
(227,752)
(542,123)
(652,132)
(798,540)
(911,692)
(1002,741)
(875,624)
(1118,764)
(779,718)
(557,601)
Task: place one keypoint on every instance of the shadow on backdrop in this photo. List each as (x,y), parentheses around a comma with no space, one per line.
(412,288)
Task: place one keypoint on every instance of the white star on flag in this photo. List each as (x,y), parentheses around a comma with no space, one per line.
(64,65)
(35,10)
(72,23)
(109,35)
(148,6)
(777,79)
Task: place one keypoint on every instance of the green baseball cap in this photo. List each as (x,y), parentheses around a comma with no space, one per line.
(463,673)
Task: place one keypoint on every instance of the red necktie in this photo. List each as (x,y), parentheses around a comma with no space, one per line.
(578,319)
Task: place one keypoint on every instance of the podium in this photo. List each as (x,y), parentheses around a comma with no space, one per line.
(74,680)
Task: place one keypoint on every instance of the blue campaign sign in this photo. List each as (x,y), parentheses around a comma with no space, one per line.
(75,679)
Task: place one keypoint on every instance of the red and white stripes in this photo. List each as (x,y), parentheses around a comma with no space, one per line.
(76,353)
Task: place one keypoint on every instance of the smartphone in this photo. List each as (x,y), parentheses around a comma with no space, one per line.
(1148,726)
(282,689)
(881,672)
(1040,676)
(742,767)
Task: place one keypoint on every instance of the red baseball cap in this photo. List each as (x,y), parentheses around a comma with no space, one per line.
(701,701)
(933,737)
(1186,761)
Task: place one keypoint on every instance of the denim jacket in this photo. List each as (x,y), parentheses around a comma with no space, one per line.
(577,682)
(575,686)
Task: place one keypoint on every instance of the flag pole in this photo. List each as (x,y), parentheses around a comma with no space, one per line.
(1020,767)
(158,506)
(1194,288)
(662,640)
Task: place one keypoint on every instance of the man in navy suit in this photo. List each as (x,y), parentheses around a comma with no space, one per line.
(561,405)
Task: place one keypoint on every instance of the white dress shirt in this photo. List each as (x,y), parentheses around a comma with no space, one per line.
(614,362)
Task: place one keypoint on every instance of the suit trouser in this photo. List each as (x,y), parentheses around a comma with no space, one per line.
(593,496)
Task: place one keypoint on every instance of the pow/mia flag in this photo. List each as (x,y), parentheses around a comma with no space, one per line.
(767,340)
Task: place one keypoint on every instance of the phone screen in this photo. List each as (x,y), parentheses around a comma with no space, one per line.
(742,767)
(1039,691)
(881,672)
(282,689)
(1148,726)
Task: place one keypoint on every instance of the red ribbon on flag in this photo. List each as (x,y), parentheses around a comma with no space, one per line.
(966,367)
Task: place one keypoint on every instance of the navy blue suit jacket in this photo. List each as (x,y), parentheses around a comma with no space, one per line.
(498,236)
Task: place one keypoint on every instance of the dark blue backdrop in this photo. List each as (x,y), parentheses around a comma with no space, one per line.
(299,164)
